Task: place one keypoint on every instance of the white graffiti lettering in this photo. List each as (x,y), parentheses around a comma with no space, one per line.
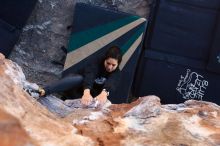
(192,86)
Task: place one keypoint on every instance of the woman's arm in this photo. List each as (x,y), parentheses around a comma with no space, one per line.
(109,87)
(112,81)
(90,73)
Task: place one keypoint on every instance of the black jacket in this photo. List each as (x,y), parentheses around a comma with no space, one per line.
(96,78)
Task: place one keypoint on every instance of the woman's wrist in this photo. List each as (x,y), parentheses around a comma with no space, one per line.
(105,92)
(86,91)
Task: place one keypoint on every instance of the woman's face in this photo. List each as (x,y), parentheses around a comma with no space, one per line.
(110,64)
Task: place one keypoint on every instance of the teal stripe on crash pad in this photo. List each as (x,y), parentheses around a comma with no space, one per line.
(81,38)
(132,39)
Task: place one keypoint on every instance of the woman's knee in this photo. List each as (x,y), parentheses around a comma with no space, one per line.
(77,78)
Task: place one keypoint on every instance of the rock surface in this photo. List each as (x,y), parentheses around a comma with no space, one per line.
(143,122)
(39,123)
(12,133)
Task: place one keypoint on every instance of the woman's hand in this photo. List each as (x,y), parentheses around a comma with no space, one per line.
(87,97)
(102,97)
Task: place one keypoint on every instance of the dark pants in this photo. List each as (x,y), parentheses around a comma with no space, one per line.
(66,85)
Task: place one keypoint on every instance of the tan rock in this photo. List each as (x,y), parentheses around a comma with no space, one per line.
(39,123)
(12,133)
(143,122)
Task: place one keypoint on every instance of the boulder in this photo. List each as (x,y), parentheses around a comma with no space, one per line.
(142,122)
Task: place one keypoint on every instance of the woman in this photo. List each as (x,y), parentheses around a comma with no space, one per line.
(98,80)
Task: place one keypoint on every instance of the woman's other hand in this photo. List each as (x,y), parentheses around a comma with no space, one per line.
(102,97)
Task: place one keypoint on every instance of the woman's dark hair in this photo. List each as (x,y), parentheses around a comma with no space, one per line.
(114,52)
